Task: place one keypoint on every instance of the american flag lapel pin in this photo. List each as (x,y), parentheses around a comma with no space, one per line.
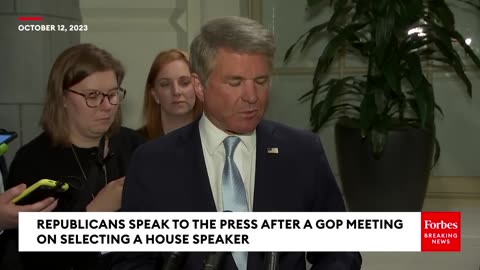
(272,150)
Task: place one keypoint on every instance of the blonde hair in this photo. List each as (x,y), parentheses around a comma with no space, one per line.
(71,67)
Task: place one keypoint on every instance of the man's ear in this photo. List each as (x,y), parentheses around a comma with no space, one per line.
(197,87)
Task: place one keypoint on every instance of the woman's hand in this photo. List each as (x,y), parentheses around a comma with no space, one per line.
(109,198)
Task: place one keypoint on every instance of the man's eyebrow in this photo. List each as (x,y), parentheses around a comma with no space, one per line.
(233,77)
(228,78)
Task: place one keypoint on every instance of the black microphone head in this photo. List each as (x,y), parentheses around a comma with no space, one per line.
(174,261)
(213,260)
(271,261)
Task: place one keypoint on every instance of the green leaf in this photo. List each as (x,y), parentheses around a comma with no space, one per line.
(380,99)
(413,105)
(341,9)
(316,90)
(322,111)
(439,109)
(367,113)
(391,71)
(442,13)
(380,6)
(378,31)
(384,28)
(378,140)
(306,39)
(329,100)
(437,150)
(313,31)
(410,10)
(331,49)
(401,107)
(461,40)
(442,40)
(362,10)
(421,88)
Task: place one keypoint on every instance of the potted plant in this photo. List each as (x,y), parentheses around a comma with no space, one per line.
(385,119)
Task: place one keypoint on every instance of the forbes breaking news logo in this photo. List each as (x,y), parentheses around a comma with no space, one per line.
(441,231)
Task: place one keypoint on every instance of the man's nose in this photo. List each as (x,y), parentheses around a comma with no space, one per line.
(249,92)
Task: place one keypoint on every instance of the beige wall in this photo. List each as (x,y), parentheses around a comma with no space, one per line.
(135,31)
(26,59)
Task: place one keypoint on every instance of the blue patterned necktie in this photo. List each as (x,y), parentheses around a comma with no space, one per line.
(234,195)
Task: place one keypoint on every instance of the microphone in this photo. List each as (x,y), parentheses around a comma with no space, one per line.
(271,261)
(213,260)
(174,261)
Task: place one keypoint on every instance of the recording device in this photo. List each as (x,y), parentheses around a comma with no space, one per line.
(174,261)
(42,189)
(213,260)
(5,138)
(271,261)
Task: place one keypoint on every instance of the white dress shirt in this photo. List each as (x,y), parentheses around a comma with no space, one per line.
(214,155)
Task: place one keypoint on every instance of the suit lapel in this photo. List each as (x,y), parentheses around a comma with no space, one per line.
(202,197)
(265,169)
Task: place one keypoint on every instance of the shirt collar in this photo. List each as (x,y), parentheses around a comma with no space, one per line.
(213,137)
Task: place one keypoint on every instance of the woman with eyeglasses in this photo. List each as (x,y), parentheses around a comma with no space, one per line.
(169,99)
(82,144)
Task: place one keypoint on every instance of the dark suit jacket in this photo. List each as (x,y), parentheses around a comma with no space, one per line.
(169,175)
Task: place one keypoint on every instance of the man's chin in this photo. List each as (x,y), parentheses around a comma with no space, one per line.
(243,130)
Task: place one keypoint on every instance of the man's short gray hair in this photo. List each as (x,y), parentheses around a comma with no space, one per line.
(238,34)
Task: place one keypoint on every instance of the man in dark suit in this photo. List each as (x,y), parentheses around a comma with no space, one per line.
(230,159)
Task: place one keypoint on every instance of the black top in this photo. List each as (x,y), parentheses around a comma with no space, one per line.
(40,159)
(3,169)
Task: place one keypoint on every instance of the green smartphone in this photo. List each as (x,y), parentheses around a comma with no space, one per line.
(42,189)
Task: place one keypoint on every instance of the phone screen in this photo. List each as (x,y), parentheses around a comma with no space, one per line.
(7,137)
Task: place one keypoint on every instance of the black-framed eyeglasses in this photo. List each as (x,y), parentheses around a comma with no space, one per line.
(94,98)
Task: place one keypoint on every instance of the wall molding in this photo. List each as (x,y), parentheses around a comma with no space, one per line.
(255,10)
(454,187)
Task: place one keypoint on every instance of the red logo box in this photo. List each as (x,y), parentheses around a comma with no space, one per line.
(441,231)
